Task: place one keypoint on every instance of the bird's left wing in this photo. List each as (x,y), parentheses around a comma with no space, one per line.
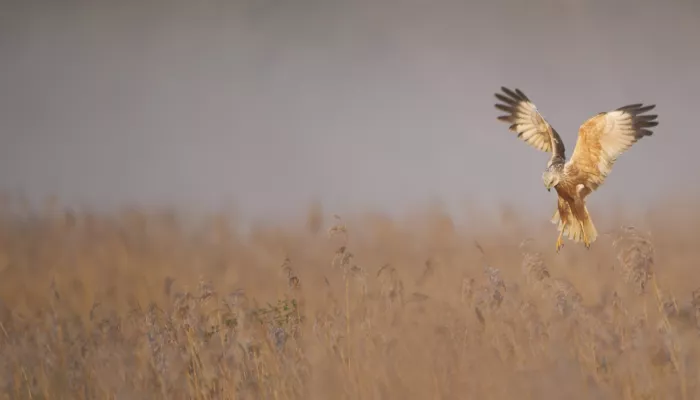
(604,137)
(528,123)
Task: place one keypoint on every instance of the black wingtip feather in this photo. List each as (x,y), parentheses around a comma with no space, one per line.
(511,93)
(521,94)
(505,99)
(645,109)
(647,117)
(505,108)
(509,102)
(636,109)
(642,123)
(630,107)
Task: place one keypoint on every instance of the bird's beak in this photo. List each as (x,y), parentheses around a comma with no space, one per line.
(549,189)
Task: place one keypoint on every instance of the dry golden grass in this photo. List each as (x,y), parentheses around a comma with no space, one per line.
(146,305)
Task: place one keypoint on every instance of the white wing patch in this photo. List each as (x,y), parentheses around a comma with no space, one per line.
(580,187)
(531,125)
(618,136)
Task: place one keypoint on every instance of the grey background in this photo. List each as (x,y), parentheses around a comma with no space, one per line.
(361,104)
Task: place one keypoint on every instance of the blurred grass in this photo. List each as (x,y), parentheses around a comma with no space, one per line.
(144,304)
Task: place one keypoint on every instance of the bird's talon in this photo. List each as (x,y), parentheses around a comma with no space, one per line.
(559,245)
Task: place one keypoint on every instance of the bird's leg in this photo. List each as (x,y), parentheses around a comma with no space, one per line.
(585,236)
(560,244)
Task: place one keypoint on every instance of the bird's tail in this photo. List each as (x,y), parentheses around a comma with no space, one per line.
(574,230)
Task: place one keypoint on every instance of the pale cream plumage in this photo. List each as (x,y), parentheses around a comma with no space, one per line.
(601,140)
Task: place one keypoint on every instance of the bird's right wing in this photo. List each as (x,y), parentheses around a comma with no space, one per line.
(528,123)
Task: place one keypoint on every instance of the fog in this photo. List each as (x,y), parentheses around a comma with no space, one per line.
(359,104)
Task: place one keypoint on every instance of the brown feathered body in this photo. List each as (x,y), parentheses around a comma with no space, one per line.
(571,214)
(601,140)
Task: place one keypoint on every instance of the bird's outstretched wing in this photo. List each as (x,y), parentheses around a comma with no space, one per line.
(528,123)
(603,138)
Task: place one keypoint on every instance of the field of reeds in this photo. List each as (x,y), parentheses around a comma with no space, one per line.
(151,304)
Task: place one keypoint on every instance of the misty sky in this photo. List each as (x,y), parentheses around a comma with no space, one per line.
(358,103)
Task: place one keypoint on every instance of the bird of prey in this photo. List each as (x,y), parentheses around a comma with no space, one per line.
(601,140)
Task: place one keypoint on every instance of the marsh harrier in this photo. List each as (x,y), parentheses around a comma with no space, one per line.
(601,140)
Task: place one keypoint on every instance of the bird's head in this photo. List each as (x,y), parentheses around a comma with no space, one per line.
(550,178)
